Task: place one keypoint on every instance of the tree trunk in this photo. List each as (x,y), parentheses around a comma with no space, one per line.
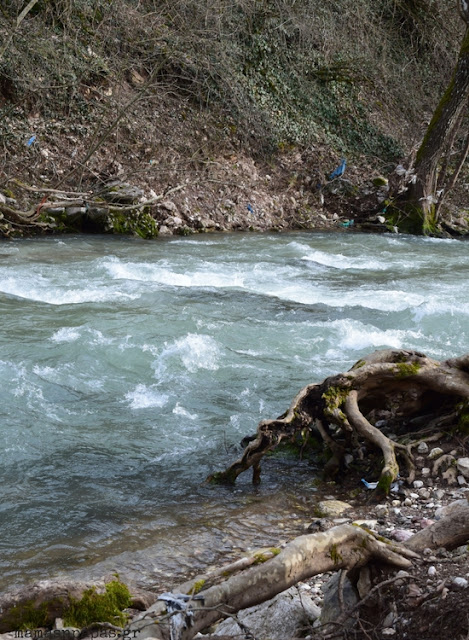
(419,202)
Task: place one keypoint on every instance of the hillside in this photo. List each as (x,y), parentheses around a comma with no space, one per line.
(219,115)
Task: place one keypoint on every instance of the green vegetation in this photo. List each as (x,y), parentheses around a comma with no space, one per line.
(27,616)
(96,607)
(277,73)
(335,554)
(406,369)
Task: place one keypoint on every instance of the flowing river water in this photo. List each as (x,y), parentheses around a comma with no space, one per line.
(129,370)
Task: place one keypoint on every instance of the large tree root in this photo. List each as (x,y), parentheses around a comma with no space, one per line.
(348,547)
(341,409)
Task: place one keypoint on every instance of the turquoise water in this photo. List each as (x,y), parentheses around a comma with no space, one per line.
(129,370)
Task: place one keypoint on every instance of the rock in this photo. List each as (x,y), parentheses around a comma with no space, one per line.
(424,493)
(164,231)
(368,524)
(431,571)
(460,583)
(388,632)
(122,193)
(417,484)
(381,510)
(450,475)
(435,453)
(284,616)
(3,199)
(461,480)
(423,447)
(331,607)
(442,512)
(53,596)
(173,221)
(332,508)
(463,466)
(425,472)
(401,535)
(169,206)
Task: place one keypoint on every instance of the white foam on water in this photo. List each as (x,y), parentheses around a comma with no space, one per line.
(180,411)
(339,261)
(45,291)
(146,397)
(356,336)
(66,334)
(381,300)
(195,351)
(438,307)
(212,276)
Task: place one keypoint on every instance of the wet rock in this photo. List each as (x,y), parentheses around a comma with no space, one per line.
(284,616)
(463,466)
(332,508)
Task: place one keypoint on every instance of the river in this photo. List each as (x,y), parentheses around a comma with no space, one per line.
(131,369)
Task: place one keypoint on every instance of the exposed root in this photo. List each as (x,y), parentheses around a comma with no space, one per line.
(404,384)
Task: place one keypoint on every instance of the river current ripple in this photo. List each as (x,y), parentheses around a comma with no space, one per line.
(129,370)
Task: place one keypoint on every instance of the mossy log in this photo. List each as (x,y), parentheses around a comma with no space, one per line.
(403,385)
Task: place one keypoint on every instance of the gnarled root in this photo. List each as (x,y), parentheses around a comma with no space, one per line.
(404,384)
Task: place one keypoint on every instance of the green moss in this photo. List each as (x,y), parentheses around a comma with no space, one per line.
(335,554)
(139,223)
(197,587)
(406,369)
(359,364)
(97,607)
(334,397)
(27,616)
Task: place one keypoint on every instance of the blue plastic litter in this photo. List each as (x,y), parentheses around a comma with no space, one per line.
(369,485)
(347,223)
(31,140)
(340,170)
(249,207)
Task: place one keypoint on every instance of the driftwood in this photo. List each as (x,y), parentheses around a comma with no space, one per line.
(342,409)
(343,547)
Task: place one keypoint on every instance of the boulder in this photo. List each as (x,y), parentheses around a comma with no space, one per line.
(287,615)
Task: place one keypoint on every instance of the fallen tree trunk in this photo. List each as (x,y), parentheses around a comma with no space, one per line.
(400,384)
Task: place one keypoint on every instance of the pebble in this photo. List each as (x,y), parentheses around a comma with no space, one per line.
(418,484)
(431,571)
(388,631)
(407,502)
(435,453)
(396,503)
(460,583)
(425,472)
(423,447)
(414,496)
(462,480)
(424,493)
(401,535)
